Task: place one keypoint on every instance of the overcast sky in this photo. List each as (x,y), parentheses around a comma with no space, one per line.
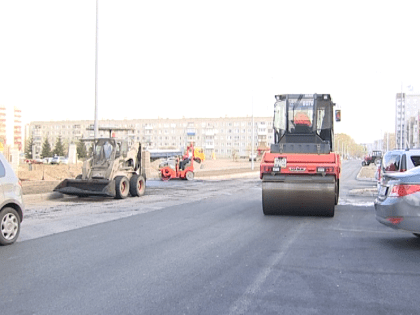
(208,58)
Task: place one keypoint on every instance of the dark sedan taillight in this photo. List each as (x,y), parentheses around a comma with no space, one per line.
(403,190)
(395,220)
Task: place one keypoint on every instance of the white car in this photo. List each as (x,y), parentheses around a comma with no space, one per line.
(58,160)
(253,156)
(47,160)
(11,203)
(397,161)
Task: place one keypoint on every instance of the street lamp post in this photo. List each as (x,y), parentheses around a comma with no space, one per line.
(96,76)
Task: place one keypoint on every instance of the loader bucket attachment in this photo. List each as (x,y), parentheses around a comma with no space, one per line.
(89,187)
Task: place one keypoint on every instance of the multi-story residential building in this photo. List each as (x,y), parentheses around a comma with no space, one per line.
(3,115)
(11,127)
(407,110)
(223,136)
(17,129)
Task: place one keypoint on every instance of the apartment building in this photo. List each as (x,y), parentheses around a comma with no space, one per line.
(407,111)
(17,129)
(11,127)
(223,136)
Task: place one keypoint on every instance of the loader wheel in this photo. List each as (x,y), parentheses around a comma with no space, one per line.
(189,176)
(122,187)
(137,186)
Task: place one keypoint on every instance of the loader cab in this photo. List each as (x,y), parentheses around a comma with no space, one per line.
(303,123)
(109,149)
(104,150)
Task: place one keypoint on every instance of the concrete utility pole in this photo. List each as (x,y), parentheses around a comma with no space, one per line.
(95,128)
(252,143)
(401,131)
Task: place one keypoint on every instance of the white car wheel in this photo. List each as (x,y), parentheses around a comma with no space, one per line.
(9,226)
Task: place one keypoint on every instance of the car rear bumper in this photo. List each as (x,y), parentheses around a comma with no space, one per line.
(397,213)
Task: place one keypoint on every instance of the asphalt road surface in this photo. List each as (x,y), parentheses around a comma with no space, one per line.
(216,253)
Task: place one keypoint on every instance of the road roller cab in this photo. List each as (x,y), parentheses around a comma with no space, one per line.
(300,174)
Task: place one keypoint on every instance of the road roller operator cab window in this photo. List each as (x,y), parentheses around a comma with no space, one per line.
(303,114)
(300,116)
(280,117)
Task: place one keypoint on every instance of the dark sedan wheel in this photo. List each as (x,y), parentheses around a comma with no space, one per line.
(9,226)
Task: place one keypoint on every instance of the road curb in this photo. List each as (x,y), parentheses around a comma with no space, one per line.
(369,192)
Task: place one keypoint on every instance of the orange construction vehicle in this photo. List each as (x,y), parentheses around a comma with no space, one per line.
(180,167)
(199,155)
(301,172)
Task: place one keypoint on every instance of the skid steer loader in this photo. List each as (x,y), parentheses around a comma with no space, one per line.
(113,170)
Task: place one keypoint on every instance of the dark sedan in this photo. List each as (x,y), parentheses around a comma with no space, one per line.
(398,201)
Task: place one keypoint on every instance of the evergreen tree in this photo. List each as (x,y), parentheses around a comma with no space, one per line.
(59,148)
(28,149)
(46,149)
(81,150)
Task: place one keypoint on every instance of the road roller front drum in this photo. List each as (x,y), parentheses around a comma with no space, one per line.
(299,195)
